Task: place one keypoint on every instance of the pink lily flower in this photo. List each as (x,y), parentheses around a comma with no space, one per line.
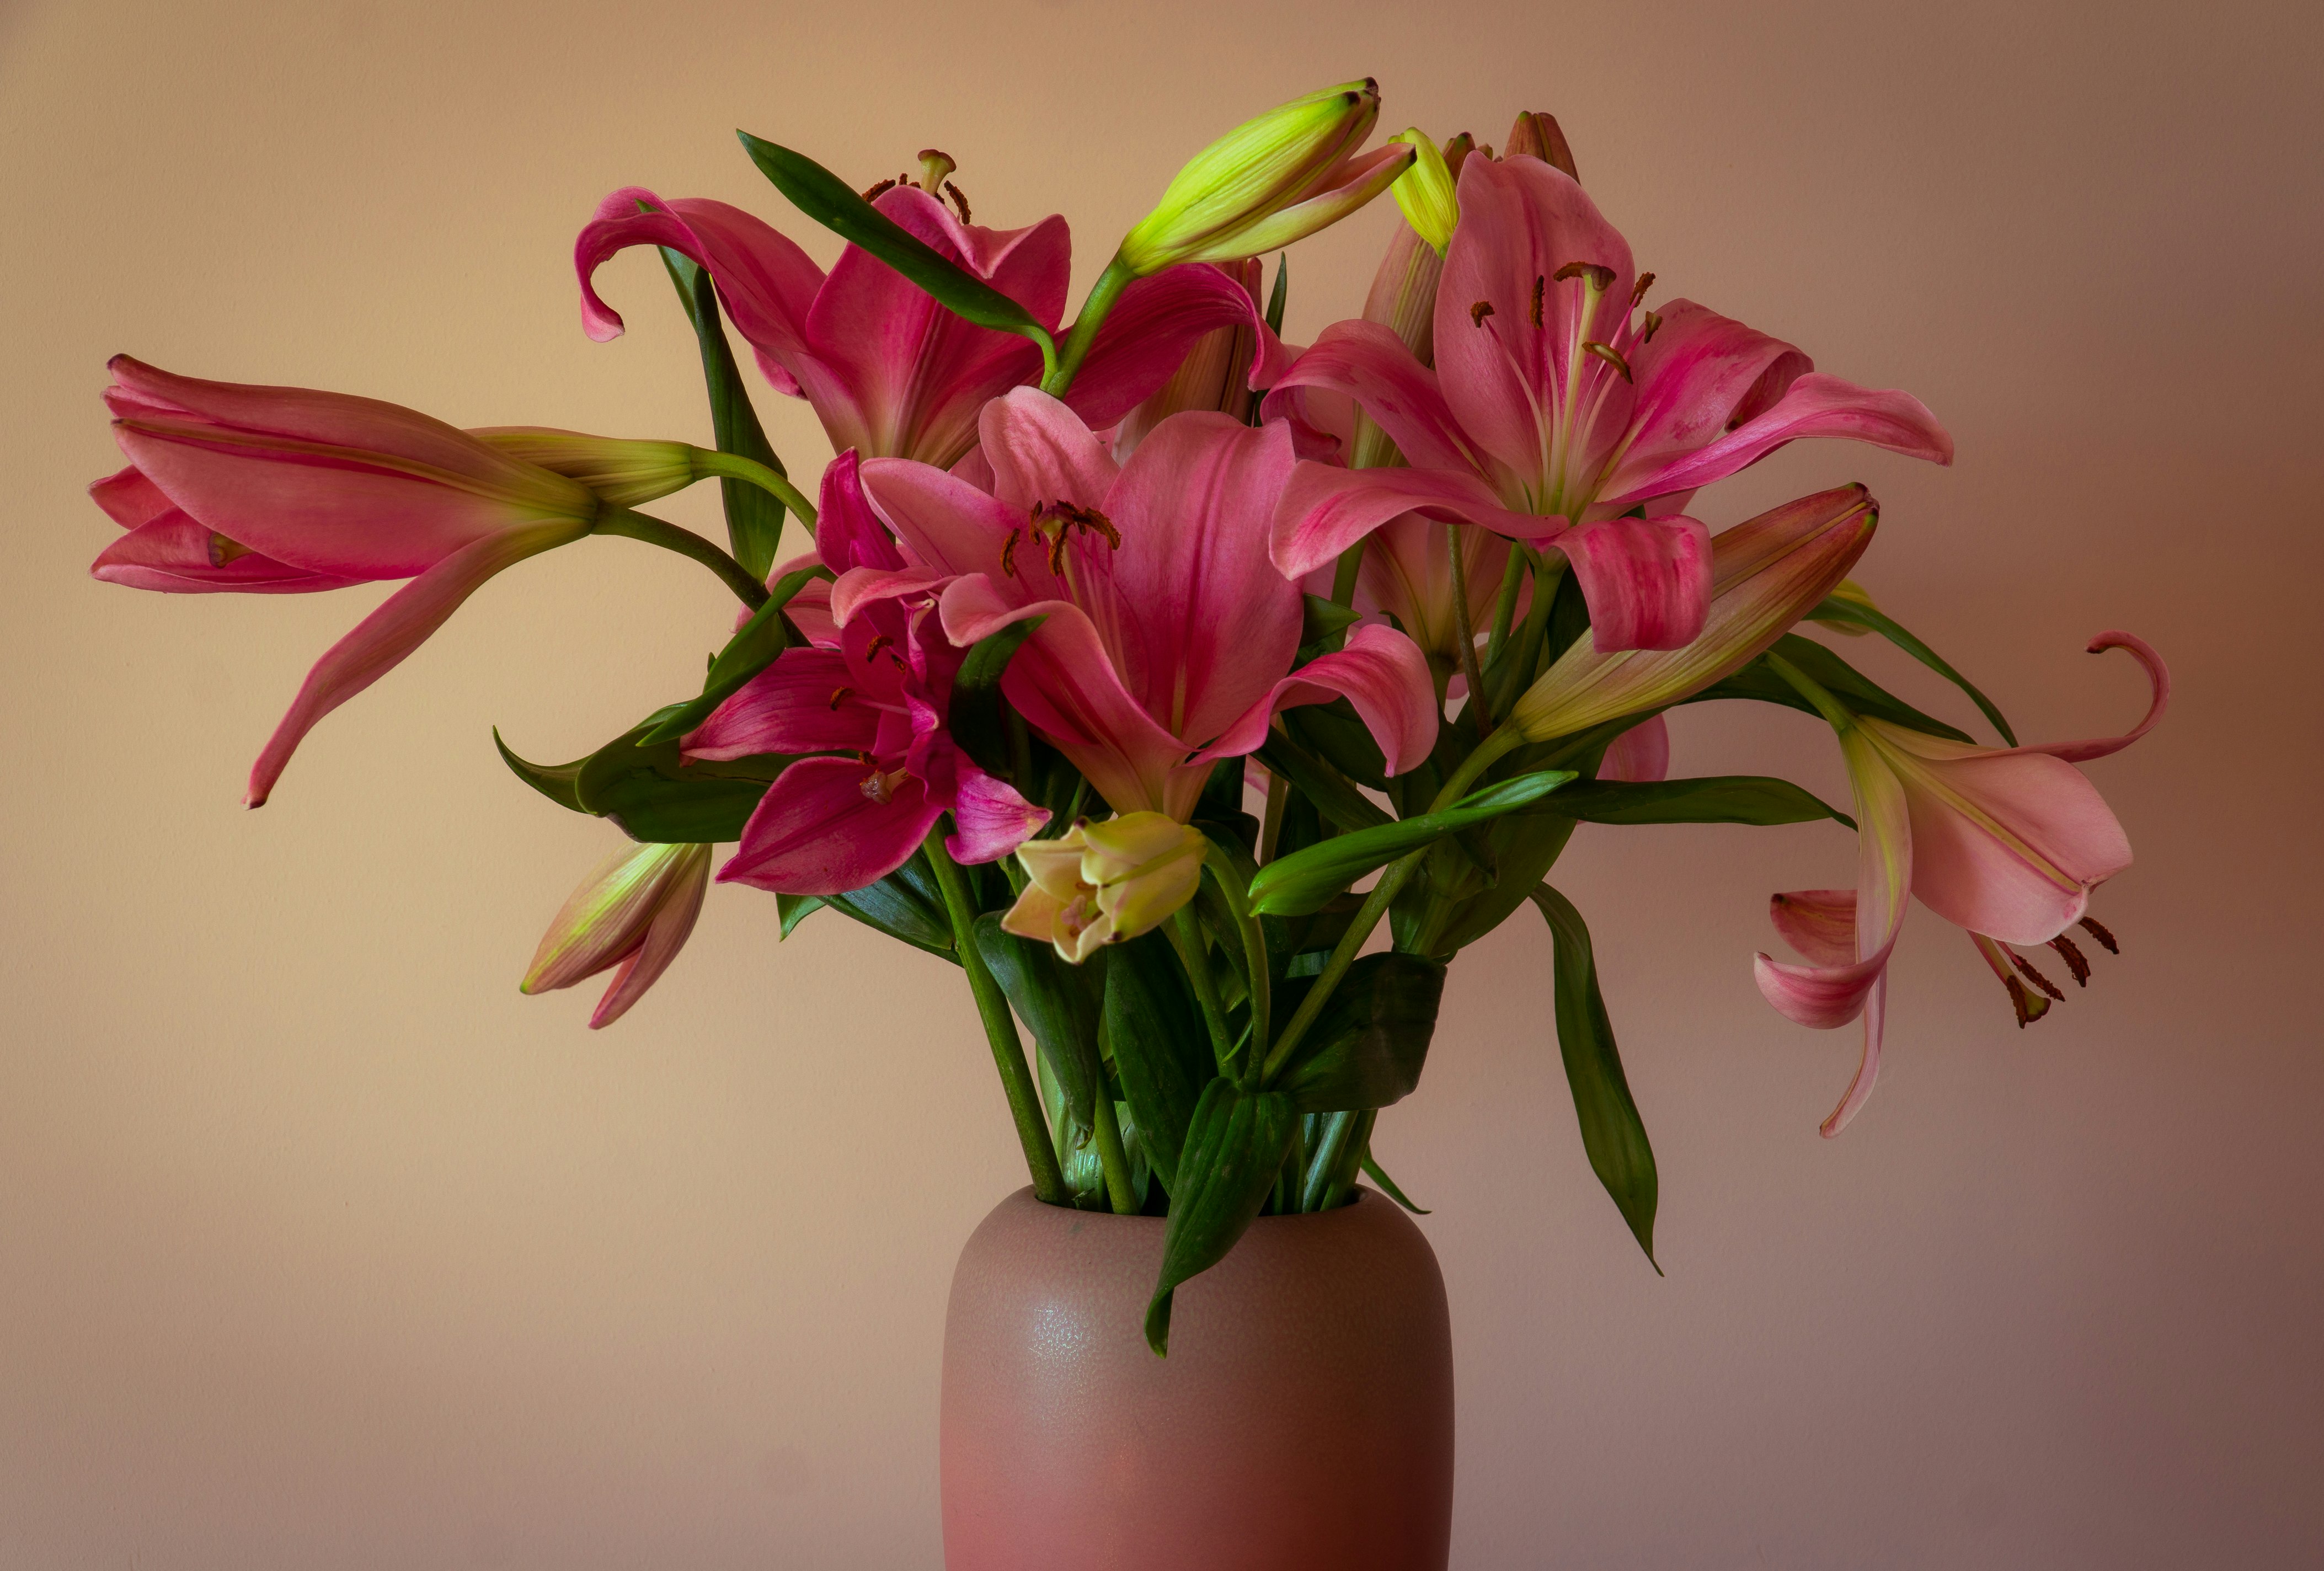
(1167,637)
(2006,843)
(887,371)
(871,705)
(273,490)
(631,916)
(1553,408)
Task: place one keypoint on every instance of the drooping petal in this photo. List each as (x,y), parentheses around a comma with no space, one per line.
(819,830)
(1820,923)
(1326,509)
(380,641)
(1815,405)
(1642,754)
(1151,328)
(990,817)
(806,702)
(130,499)
(1646,581)
(1699,374)
(176,556)
(1381,673)
(2157,674)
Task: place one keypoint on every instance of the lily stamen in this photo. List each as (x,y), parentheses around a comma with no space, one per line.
(2105,939)
(2025,969)
(2072,956)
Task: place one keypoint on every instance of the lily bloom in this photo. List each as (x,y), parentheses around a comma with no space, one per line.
(1553,408)
(887,371)
(271,490)
(1101,883)
(871,708)
(2006,843)
(631,916)
(1165,638)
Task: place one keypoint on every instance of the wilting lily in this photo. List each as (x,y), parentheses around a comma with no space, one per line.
(887,371)
(2006,843)
(1765,574)
(631,916)
(1165,639)
(1555,407)
(872,707)
(1101,883)
(1269,181)
(270,490)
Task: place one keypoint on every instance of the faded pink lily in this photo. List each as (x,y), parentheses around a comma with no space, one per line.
(1555,407)
(271,490)
(1165,638)
(887,371)
(2006,843)
(872,706)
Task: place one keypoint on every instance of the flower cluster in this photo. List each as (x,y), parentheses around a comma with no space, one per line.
(1129,646)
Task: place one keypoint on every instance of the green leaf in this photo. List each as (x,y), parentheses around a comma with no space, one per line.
(1522,849)
(753,648)
(1837,610)
(1335,734)
(1852,686)
(907,904)
(755,518)
(827,199)
(1367,1045)
(1304,881)
(1154,1033)
(1235,1147)
(1611,1132)
(1325,786)
(1320,618)
(1387,1186)
(1276,298)
(553,781)
(976,720)
(795,909)
(1718,799)
(1058,1004)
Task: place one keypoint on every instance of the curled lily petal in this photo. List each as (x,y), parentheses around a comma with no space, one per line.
(1642,754)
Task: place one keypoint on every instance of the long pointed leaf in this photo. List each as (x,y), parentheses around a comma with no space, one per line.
(1718,799)
(1303,881)
(755,518)
(1611,1132)
(1859,692)
(1856,613)
(1234,1149)
(1155,1037)
(1058,1004)
(752,650)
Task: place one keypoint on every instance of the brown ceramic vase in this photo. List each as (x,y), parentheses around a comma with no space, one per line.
(1303,1419)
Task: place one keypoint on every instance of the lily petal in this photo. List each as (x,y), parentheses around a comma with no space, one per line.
(1642,754)
(1382,672)
(1646,581)
(805,702)
(2157,674)
(1368,363)
(818,831)
(1151,328)
(1326,509)
(1815,405)
(176,556)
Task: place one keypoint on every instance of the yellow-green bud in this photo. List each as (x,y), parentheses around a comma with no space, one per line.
(1100,883)
(622,472)
(1424,193)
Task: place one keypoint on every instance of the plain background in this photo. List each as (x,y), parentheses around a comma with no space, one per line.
(319,1246)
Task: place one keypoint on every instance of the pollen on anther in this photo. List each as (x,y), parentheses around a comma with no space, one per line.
(2072,956)
(1600,277)
(840,696)
(1654,324)
(1612,355)
(1540,287)
(881,190)
(959,199)
(1639,290)
(2035,977)
(1478,312)
(2091,926)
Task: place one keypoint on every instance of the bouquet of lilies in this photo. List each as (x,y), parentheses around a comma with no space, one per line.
(1128,648)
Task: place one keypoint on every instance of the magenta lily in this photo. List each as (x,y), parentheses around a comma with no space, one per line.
(887,371)
(2006,843)
(273,490)
(871,705)
(1555,407)
(1167,638)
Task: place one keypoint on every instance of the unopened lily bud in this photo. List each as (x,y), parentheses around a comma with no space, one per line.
(622,472)
(1214,375)
(1424,193)
(1100,883)
(632,915)
(1267,183)
(1536,135)
(1766,573)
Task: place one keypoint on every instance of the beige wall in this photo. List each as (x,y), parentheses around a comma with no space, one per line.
(322,1247)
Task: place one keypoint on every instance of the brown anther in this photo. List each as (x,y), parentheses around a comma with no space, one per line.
(2030,1007)
(2074,959)
(1638,290)
(840,696)
(875,646)
(2105,940)
(882,188)
(1478,312)
(1540,287)
(959,201)
(1601,278)
(224,550)
(934,165)
(1612,355)
(2035,977)
(1009,555)
(1654,321)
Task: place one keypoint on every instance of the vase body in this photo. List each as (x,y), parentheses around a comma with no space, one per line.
(1304,1417)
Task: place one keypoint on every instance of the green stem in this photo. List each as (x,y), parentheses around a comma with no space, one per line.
(1343,1175)
(1479,709)
(1505,609)
(1103,296)
(621,520)
(709,461)
(1331,1146)
(1813,691)
(1120,1192)
(1254,951)
(1186,938)
(1271,829)
(1000,1031)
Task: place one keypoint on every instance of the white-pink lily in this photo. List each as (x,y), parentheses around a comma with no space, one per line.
(2005,842)
(1165,637)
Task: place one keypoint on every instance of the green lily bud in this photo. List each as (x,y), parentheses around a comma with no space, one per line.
(1100,883)
(1424,193)
(1275,180)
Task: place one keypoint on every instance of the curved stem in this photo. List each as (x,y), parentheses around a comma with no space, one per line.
(1103,296)
(633,525)
(1000,1030)
(708,461)
(1186,938)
